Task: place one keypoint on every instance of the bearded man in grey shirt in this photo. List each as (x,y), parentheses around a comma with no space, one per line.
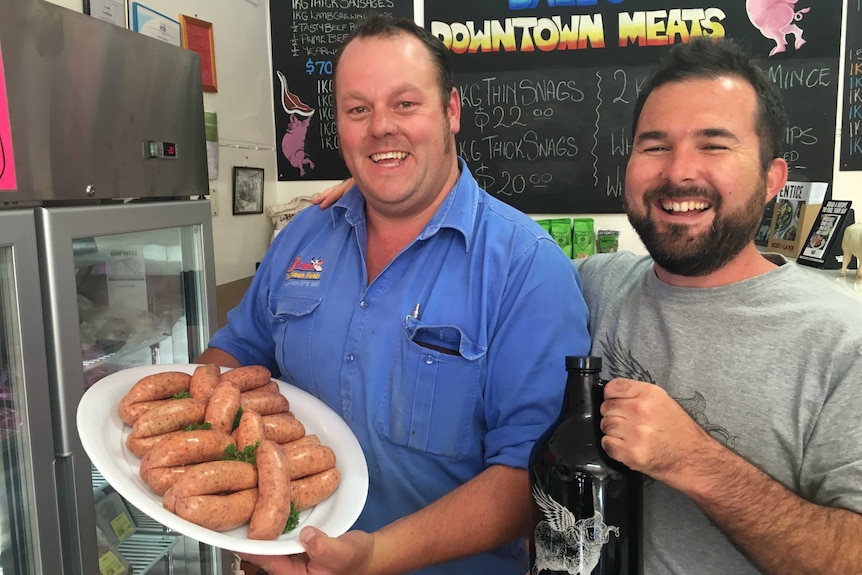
(737,377)
(737,382)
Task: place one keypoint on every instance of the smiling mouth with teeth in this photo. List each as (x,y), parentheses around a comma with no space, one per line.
(388,156)
(674,207)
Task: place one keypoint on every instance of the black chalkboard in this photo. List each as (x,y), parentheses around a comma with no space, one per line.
(851,128)
(548,129)
(305,37)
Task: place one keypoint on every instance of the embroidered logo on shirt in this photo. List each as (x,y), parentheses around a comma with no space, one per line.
(300,270)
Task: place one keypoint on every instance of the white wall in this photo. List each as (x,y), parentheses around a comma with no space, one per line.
(247,133)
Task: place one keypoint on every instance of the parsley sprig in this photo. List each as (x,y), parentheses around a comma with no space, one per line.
(247,454)
(292,519)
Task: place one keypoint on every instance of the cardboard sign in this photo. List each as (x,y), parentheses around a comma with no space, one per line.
(822,247)
(794,213)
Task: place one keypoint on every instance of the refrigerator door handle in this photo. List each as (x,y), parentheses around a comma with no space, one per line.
(77,549)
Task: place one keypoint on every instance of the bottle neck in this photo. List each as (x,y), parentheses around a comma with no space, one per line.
(583,395)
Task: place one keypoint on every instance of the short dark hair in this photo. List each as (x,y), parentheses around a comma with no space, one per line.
(377,25)
(707,58)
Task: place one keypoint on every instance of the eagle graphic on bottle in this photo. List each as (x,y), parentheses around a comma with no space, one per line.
(565,544)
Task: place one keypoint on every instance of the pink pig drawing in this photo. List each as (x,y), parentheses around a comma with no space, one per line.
(776,19)
(293,141)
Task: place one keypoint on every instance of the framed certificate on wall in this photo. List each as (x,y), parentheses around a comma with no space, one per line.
(154,24)
(197,36)
(113,11)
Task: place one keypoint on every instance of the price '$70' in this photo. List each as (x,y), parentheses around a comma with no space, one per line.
(322,67)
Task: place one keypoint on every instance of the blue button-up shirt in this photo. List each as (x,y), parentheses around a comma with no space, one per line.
(434,397)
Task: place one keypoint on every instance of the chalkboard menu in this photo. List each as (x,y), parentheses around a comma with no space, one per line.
(548,86)
(305,37)
(851,130)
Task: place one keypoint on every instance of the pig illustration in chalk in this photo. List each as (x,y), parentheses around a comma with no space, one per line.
(293,141)
(776,19)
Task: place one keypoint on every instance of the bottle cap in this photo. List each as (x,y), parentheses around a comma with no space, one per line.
(583,363)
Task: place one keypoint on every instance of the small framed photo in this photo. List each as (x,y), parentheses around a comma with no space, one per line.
(247,191)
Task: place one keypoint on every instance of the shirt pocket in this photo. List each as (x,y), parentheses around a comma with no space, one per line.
(292,326)
(430,399)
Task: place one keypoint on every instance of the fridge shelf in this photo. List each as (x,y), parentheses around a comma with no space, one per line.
(152,343)
(144,550)
(146,524)
(99,482)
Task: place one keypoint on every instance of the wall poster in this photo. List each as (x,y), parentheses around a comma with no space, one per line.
(305,37)
(548,86)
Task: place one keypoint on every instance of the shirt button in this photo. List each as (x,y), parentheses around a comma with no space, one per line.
(363,304)
(429,359)
(349,358)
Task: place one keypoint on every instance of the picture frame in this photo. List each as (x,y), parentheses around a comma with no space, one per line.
(155,24)
(113,11)
(247,190)
(197,36)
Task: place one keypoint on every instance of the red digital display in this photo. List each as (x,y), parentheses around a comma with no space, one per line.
(170,150)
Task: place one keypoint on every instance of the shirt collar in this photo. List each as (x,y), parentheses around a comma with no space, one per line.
(458,210)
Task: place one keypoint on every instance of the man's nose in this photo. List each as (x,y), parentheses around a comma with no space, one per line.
(382,123)
(681,166)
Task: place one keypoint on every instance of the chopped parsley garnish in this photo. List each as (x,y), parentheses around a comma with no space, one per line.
(247,454)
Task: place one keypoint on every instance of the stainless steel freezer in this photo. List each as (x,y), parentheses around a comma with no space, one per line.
(29,529)
(105,262)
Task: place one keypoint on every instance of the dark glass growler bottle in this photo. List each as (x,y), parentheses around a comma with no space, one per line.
(587,507)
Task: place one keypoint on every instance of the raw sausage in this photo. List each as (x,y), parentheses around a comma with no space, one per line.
(162,478)
(204,381)
(247,377)
(273,501)
(264,403)
(171,416)
(130,412)
(250,430)
(222,407)
(215,477)
(140,446)
(218,512)
(158,386)
(309,491)
(282,427)
(305,460)
(187,447)
(270,387)
(304,440)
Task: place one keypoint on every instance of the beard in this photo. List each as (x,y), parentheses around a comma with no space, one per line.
(678,251)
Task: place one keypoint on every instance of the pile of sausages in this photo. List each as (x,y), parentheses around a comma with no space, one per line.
(187,468)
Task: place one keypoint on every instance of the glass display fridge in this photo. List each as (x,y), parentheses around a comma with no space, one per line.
(123,285)
(105,263)
(29,531)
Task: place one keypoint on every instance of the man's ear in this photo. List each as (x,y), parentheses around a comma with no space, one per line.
(776,177)
(453,108)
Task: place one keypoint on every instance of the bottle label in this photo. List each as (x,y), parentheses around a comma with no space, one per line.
(565,544)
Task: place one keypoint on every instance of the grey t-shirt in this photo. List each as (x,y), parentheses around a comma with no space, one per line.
(770,366)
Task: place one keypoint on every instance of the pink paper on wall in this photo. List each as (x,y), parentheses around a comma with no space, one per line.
(7,158)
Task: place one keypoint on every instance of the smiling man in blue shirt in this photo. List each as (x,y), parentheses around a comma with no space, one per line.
(432,317)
